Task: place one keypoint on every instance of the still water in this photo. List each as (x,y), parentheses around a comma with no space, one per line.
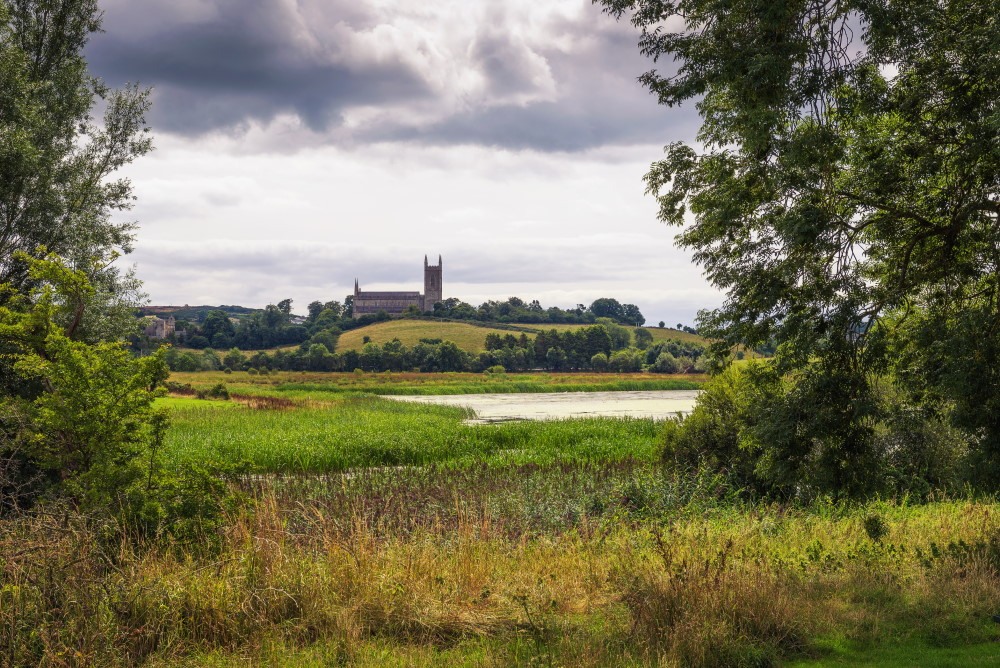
(658,404)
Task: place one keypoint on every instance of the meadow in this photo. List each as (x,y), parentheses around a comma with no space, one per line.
(377,533)
(469,336)
(323,385)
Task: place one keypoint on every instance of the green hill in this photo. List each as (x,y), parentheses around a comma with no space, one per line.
(468,336)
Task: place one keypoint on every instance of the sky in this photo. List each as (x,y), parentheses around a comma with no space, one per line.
(301,144)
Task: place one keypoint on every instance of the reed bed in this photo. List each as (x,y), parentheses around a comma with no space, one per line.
(363,431)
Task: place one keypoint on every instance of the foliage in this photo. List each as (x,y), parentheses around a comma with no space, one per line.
(848,185)
(83,426)
(56,161)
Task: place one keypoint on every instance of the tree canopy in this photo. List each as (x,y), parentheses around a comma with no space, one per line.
(844,192)
(57,191)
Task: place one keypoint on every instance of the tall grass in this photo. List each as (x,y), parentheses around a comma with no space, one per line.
(371,432)
(743,587)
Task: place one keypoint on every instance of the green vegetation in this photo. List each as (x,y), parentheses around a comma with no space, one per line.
(575,564)
(603,346)
(365,431)
(844,194)
(468,337)
(833,505)
(321,386)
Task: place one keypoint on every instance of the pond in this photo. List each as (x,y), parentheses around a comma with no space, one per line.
(656,404)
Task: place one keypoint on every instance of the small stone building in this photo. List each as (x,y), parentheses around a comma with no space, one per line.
(158,328)
(394,303)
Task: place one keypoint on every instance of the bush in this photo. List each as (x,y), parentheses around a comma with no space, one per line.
(665,363)
(252,371)
(718,435)
(495,370)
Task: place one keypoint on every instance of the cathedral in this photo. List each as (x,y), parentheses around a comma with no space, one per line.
(394,303)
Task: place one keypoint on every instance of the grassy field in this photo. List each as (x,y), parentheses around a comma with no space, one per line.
(355,432)
(387,534)
(321,385)
(469,337)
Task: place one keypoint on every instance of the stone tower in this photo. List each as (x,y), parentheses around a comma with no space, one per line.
(432,284)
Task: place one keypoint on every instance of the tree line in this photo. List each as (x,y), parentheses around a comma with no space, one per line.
(276,326)
(605,346)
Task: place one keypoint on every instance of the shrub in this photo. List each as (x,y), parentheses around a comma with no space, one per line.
(252,371)
(665,363)
(718,434)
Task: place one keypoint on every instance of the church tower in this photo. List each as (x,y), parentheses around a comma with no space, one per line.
(432,284)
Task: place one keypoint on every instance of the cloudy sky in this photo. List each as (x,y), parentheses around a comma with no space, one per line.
(303,143)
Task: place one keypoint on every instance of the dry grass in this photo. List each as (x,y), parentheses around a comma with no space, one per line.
(741,589)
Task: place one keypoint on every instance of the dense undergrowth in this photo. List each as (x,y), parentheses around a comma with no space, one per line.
(574,565)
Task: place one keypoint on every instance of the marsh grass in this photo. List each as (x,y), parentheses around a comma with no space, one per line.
(324,386)
(354,432)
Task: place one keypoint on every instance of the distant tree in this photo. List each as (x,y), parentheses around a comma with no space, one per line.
(632,316)
(198,342)
(661,324)
(642,338)
(606,307)
(556,359)
(314,309)
(327,338)
(235,359)
(348,306)
(335,307)
(599,362)
(450,357)
(620,337)
(665,363)
(217,322)
(285,306)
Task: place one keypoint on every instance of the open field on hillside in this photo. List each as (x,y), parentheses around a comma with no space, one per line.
(469,337)
(321,385)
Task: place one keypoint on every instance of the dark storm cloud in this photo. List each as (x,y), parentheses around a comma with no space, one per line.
(222,65)
(248,60)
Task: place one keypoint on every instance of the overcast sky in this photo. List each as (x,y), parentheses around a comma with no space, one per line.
(303,143)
